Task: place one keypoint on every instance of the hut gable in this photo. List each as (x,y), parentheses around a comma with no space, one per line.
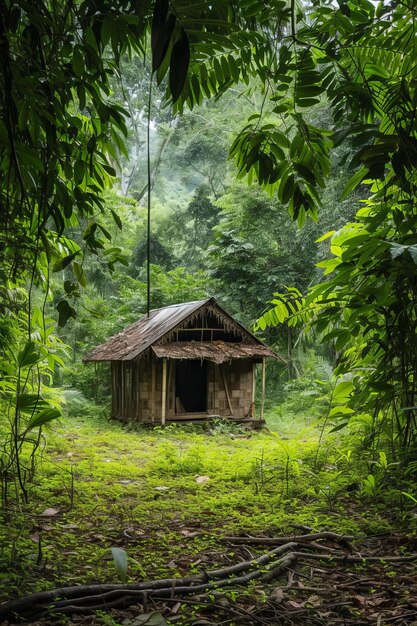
(191,330)
(185,361)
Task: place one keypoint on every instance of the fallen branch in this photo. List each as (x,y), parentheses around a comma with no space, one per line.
(89,598)
(262,560)
(267,541)
(265,568)
(349,558)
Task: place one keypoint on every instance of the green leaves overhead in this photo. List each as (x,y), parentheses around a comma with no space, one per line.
(63,262)
(180,59)
(168,35)
(293,167)
(287,308)
(65,312)
(60,133)
(355,56)
(162,29)
(195,45)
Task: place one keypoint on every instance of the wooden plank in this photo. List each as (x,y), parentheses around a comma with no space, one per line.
(164,391)
(253,382)
(153,389)
(263,386)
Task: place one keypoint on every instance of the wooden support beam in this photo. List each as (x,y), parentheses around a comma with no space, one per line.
(200,328)
(122,398)
(164,391)
(169,395)
(226,390)
(138,364)
(153,389)
(252,405)
(263,386)
(214,370)
(113,389)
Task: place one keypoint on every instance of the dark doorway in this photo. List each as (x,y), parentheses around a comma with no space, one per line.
(190,386)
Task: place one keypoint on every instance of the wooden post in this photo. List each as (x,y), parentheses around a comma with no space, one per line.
(113,388)
(164,391)
(226,390)
(153,389)
(170,366)
(214,367)
(122,399)
(263,387)
(253,381)
(138,364)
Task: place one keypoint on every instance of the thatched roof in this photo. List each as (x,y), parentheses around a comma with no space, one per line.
(158,330)
(216,351)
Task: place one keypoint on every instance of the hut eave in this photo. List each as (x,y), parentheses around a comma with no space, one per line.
(215,351)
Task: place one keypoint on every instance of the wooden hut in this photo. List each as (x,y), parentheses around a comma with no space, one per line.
(185,361)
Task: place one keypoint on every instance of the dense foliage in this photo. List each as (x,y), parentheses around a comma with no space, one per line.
(366,307)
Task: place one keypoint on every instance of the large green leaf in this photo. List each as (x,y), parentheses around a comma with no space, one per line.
(40,418)
(178,68)
(30,355)
(120,559)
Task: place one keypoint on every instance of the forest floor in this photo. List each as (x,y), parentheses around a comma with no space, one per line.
(185,500)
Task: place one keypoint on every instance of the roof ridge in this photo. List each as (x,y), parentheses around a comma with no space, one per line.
(171,306)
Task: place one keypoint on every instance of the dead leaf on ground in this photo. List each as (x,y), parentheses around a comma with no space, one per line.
(147,619)
(189,533)
(276,595)
(201,479)
(296,605)
(49,512)
(70,526)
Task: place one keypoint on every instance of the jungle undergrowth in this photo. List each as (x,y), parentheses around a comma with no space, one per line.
(168,497)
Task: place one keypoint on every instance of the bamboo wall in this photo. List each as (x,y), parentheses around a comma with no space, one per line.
(230,382)
(137,389)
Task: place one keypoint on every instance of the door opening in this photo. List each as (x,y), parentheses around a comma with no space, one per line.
(190,386)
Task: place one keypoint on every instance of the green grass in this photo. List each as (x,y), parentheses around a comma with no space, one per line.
(138,490)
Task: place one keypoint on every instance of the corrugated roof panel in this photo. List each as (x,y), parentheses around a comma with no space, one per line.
(137,337)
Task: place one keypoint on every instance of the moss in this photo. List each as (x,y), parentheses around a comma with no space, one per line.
(139,490)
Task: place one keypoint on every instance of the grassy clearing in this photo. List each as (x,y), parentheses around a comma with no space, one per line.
(169,496)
